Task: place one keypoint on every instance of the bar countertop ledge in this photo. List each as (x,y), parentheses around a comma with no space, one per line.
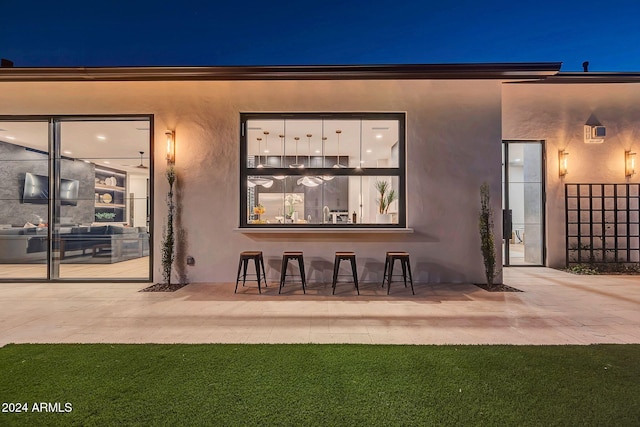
(335,230)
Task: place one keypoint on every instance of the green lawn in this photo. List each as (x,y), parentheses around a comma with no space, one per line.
(322,385)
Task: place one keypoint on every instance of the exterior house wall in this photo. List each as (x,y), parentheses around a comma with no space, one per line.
(557,113)
(453,145)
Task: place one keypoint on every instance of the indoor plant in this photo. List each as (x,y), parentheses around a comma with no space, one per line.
(290,201)
(387,196)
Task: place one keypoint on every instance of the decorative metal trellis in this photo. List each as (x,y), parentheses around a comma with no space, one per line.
(603,223)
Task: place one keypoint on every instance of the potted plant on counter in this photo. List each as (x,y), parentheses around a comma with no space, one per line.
(290,201)
(387,196)
(257,211)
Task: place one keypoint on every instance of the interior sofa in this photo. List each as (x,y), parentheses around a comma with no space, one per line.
(23,245)
(104,243)
(116,242)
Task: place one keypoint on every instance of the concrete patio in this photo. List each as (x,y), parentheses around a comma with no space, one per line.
(555,308)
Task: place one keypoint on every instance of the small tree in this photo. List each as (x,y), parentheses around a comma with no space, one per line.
(487,244)
(168,238)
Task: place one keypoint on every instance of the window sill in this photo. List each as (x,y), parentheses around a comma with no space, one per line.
(328,230)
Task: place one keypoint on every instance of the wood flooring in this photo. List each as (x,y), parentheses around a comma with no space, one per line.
(137,268)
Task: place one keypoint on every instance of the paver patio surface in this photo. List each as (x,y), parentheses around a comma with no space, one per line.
(555,308)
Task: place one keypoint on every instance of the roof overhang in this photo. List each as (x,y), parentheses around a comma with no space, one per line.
(589,77)
(496,71)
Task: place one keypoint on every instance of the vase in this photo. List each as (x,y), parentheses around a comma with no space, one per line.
(294,216)
(383,218)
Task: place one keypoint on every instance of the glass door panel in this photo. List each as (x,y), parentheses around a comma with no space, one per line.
(24,197)
(102,229)
(523,203)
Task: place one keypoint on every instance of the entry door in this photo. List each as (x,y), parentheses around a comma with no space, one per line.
(523,203)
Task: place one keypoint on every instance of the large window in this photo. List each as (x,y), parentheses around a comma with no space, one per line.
(322,170)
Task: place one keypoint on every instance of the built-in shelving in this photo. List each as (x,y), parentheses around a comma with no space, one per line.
(110,195)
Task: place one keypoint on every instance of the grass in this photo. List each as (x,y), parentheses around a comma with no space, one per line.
(323,385)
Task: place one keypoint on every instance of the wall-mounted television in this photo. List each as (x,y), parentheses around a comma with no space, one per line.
(36,190)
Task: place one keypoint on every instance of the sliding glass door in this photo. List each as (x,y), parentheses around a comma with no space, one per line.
(85,185)
(24,198)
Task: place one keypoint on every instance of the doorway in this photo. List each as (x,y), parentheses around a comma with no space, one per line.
(523,201)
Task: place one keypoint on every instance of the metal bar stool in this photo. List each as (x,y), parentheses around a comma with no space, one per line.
(257,258)
(347,256)
(286,256)
(403,257)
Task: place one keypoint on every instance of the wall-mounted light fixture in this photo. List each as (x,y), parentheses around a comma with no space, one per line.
(594,134)
(171,146)
(563,162)
(629,163)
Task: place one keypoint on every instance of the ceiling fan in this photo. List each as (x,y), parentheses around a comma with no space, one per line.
(141,165)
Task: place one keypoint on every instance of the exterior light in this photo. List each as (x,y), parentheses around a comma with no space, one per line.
(629,163)
(594,133)
(171,146)
(563,160)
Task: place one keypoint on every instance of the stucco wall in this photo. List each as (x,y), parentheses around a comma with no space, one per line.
(557,113)
(453,145)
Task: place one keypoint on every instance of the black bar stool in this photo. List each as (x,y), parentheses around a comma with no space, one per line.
(286,256)
(388,267)
(256,256)
(346,256)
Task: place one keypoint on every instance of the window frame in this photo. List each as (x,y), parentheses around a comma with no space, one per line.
(399,172)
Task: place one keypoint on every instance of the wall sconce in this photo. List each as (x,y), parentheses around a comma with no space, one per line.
(171,146)
(563,161)
(629,163)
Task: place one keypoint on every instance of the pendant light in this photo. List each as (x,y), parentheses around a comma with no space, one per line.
(280,177)
(260,165)
(263,182)
(297,165)
(309,181)
(325,177)
(338,165)
(266,149)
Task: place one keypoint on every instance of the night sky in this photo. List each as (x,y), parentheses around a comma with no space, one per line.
(190,32)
